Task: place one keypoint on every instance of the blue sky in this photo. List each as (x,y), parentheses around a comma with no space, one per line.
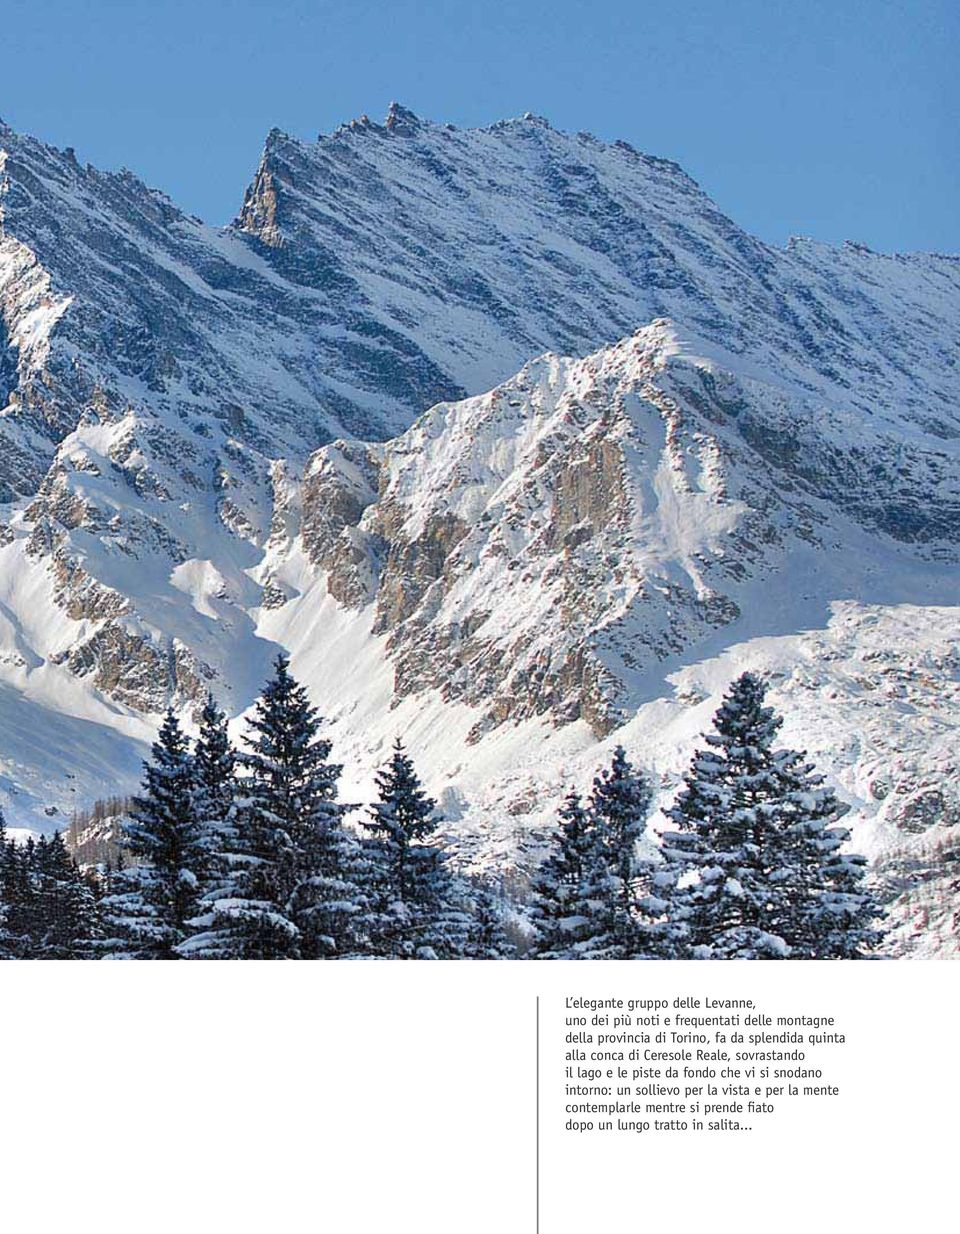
(831,118)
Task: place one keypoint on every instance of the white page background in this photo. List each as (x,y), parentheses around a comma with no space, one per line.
(364,1097)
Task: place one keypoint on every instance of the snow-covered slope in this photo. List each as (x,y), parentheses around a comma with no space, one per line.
(217,442)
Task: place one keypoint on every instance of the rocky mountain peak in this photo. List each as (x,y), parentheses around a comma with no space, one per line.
(401,120)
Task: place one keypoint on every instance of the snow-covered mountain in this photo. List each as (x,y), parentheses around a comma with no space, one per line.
(321,428)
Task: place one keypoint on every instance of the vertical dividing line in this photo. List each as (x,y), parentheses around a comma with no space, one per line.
(538,1115)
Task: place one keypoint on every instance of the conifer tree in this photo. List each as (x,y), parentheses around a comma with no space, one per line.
(421,909)
(66,908)
(593,894)
(761,874)
(557,883)
(615,883)
(830,912)
(23,921)
(487,939)
(729,836)
(147,913)
(7,950)
(402,816)
(215,791)
(38,857)
(843,922)
(294,890)
(214,779)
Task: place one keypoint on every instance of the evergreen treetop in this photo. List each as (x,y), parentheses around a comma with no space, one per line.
(421,909)
(152,901)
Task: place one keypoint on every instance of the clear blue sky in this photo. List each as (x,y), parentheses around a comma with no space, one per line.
(832,118)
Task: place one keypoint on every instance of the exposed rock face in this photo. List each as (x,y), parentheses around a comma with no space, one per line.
(133,669)
(80,596)
(339,485)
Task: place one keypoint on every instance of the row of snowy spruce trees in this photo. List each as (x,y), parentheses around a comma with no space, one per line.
(48,909)
(754,867)
(246,855)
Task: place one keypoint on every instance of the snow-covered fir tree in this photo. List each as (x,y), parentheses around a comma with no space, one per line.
(215,791)
(421,910)
(487,938)
(615,884)
(592,897)
(214,780)
(759,874)
(22,925)
(48,909)
(66,908)
(436,920)
(295,888)
(557,882)
(830,911)
(7,858)
(402,815)
(151,902)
